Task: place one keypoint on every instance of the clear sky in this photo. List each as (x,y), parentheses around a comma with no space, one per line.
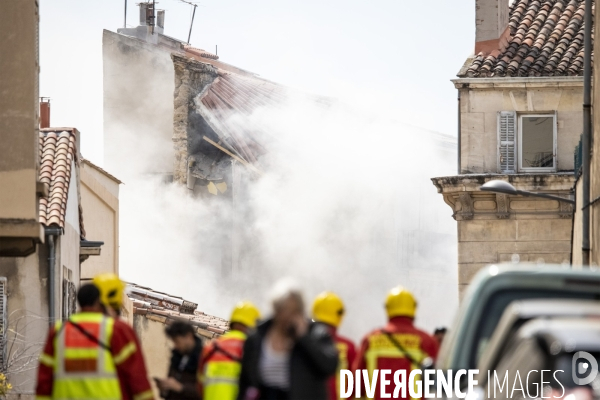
(391,56)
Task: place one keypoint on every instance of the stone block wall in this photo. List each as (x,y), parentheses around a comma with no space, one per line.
(497,228)
(481,99)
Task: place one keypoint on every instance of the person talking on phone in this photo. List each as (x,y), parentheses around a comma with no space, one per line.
(288,357)
(187,347)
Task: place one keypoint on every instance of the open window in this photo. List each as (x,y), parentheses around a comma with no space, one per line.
(526,142)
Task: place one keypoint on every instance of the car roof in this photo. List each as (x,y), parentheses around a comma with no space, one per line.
(564,335)
(529,309)
(455,352)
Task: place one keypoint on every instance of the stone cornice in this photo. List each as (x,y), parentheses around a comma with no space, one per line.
(462,194)
(518,82)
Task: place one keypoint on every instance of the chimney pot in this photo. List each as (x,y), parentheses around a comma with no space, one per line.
(160,18)
(44,112)
(491,21)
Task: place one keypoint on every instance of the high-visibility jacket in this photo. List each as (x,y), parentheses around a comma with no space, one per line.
(220,366)
(347,355)
(379,352)
(88,357)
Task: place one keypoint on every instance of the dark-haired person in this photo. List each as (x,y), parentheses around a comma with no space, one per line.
(439,334)
(187,347)
(75,365)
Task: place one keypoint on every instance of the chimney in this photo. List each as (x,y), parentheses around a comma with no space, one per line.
(491,23)
(44,112)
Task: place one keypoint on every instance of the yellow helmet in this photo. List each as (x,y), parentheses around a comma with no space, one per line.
(328,308)
(245,313)
(400,303)
(111,289)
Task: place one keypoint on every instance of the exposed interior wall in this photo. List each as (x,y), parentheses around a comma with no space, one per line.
(155,345)
(479,114)
(100,203)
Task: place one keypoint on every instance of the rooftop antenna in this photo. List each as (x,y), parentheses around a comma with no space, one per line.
(153,17)
(125,20)
(193,15)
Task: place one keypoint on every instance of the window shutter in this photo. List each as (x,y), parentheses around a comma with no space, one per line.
(2,323)
(507,139)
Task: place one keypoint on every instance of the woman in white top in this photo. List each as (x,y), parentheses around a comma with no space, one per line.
(288,357)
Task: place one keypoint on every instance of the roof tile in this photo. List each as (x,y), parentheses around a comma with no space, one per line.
(57,150)
(166,309)
(546,39)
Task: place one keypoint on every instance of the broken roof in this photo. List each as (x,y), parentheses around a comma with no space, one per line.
(57,152)
(545,38)
(165,308)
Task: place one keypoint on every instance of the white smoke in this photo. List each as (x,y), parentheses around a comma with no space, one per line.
(345,204)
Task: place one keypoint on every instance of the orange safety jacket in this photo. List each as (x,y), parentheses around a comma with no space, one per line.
(378,351)
(92,356)
(220,366)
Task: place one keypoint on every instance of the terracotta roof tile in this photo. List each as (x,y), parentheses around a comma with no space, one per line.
(56,152)
(546,39)
(199,52)
(168,308)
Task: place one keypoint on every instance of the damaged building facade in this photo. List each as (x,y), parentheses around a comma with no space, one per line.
(520,118)
(198,109)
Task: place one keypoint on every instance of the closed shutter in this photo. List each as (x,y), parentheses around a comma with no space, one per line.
(2,324)
(507,139)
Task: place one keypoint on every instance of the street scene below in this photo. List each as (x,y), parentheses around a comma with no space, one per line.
(299,201)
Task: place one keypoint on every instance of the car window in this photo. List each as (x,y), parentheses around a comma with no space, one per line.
(497,304)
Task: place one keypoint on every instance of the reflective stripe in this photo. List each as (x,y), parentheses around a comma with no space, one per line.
(221,375)
(144,395)
(234,335)
(380,346)
(47,360)
(85,369)
(125,353)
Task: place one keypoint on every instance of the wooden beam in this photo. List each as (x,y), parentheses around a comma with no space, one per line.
(235,157)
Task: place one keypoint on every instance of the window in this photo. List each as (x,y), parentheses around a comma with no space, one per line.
(526,142)
(69,294)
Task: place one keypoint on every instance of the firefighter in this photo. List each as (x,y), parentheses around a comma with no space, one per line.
(220,364)
(92,355)
(399,345)
(328,309)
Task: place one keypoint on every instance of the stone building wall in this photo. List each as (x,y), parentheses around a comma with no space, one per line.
(482,98)
(496,228)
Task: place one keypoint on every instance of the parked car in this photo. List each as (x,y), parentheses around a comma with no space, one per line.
(548,346)
(517,314)
(493,290)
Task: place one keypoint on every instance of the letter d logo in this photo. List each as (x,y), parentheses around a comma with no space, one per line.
(590,364)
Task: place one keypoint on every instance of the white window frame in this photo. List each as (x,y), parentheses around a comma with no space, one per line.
(520,142)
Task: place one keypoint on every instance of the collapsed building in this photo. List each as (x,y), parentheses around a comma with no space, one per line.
(197,110)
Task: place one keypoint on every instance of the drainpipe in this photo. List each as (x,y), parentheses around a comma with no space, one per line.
(51,234)
(459,129)
(587,130)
